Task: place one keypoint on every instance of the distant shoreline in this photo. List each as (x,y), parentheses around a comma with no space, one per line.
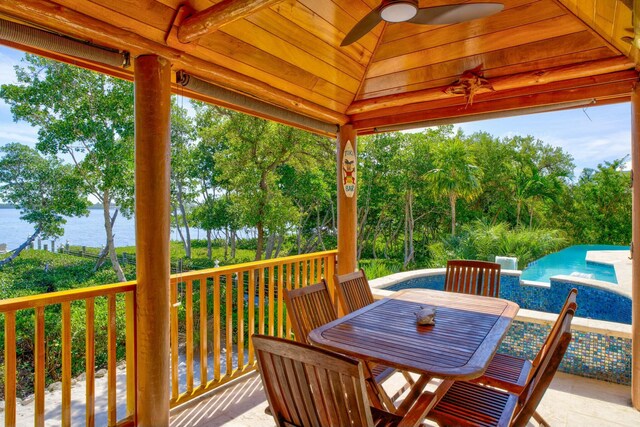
(97,206)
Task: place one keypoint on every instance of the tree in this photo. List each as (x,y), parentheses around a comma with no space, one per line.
(256,149)
(183,181)
(44,189)
(88,117)
(455,174)
(602,205)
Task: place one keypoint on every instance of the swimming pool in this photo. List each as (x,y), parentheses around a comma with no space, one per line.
(569,260)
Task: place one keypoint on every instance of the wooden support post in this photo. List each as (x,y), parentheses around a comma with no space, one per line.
(347,206)
(635,217)
(152,162)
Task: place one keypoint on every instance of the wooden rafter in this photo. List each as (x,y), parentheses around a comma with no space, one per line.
(211,19)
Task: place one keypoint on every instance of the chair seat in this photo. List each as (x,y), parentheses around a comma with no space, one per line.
(468,404)
(506,372)
(386,419)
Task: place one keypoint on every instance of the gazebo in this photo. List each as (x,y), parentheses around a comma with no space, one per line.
(283,60)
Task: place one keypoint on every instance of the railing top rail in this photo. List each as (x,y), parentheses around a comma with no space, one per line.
(59,297)
(179,277)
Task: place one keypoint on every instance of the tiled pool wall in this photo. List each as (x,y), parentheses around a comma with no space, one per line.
(590,354)
(593,303)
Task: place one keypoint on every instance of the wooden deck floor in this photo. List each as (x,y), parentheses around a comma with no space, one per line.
(570,401)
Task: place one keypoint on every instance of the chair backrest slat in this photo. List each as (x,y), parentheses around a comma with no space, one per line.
(309,308)
(542,374)
(353,290)
(473,277)
(308,386)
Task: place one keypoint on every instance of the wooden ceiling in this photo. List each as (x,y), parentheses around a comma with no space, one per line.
(534,53)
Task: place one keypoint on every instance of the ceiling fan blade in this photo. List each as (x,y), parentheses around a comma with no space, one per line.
(365,25)
(453,14)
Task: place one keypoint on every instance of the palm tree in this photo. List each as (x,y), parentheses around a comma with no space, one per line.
(455,174)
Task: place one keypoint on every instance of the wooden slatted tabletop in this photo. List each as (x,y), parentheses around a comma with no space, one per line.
(467,333)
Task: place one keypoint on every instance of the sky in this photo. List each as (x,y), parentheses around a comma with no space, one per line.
(592,135)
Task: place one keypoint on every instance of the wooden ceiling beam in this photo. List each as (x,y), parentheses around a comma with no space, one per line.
(461,102)
(523,100)
(538,77)
(211,19)
(81,26)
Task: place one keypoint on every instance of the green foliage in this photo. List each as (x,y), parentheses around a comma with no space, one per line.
(601,211)
(482,241)
(44,189)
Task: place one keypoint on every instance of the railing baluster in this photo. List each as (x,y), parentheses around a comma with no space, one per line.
(229,324)
(312,271)
(251,306)
(216,327)
(203,332)
(270,307)
(66,363)
(90,363)
(240,318)
(291,284)
(175,391)
(111,361)
(39,368)
(130,327)
(10,368)
(189,324)
(305,271)
(260,300)
(280,303)
(297,282)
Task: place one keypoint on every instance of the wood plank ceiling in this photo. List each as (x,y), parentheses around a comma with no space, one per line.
(395,74)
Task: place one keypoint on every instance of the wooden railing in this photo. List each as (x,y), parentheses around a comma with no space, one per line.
(214,313)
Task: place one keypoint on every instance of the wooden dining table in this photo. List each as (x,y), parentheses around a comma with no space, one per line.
(467,333)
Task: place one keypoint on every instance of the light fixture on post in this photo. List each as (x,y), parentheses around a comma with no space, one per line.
(398,10)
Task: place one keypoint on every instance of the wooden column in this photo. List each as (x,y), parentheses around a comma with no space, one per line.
(152,160)
(347,206)
(635,234)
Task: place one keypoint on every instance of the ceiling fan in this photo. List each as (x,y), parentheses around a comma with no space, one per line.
(409,11)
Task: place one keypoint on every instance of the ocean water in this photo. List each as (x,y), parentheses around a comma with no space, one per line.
(80,231)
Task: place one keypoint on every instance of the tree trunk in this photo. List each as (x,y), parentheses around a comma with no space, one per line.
(452,202)
(518,208)
(105,251)
(209,244)
(177,222)
(408,229)
(319,229)
(110,243)
(279,246)
(185,223)
(20,248)
(270,245)
(233,244)
(260,240)
(226,242)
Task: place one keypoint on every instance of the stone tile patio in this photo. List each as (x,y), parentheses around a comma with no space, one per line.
(570,401)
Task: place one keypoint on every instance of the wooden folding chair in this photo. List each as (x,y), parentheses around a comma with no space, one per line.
(473,277)
(471,404)
(354,293)
(308,386)
(311,307)
(511,373)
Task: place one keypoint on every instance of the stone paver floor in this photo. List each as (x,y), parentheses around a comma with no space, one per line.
(570,401)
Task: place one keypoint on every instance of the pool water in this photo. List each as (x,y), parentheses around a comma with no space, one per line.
(569,260)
